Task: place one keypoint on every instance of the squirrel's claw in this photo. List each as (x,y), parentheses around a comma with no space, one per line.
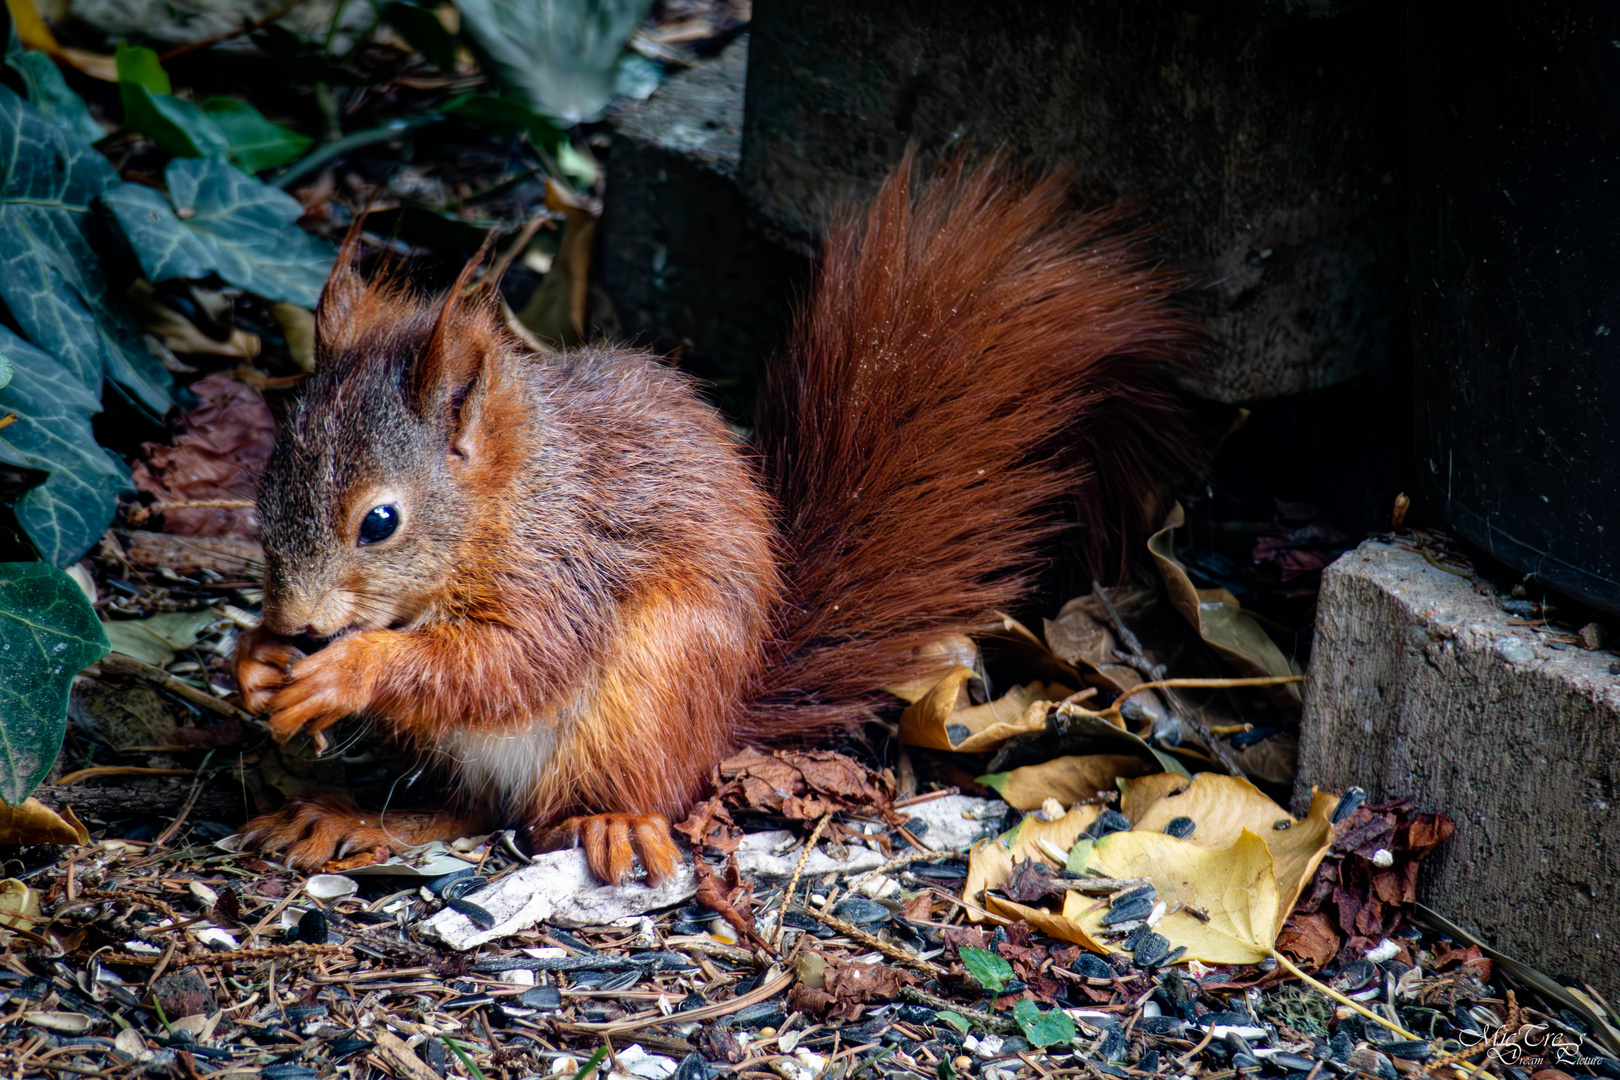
(262,661)
(612,841)
(320,689)
(309,833)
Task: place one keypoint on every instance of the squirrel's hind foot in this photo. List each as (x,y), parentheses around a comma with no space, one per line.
(309,833)
(612,842)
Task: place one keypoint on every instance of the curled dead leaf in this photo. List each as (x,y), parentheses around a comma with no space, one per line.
(938,721)
(953,651)
(1215,613)
(35,823)
(216,458)
(991,861)
(19,908)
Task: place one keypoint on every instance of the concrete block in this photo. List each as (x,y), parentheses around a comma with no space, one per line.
(690,270)
(1420,686)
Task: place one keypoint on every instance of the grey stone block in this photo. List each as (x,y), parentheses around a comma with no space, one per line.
(1420,686)
(690,269)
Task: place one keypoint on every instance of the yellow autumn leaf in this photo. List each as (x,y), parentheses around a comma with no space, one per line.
(1067,779)
(1235,888)
(1215,613)
(949,653)
(35,33)
(1064,925)
(990,861)
(35,823)
(1223,807)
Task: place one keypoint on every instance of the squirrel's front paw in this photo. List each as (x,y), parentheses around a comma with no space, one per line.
(612,841)
(321,689)
(262,660)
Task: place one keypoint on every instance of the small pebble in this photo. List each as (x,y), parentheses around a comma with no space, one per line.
(1181,827)
(963,1063)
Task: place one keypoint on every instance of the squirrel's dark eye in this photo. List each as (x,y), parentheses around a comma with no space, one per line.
(379,524)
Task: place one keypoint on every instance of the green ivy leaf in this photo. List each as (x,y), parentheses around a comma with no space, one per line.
(65,515)
(254,143)
(175,124)
(141,67)
(48,634)
(956,1020)
(5,376)
(1043,1029)
(227,223)
(987,968)
(49,93)
(50,277)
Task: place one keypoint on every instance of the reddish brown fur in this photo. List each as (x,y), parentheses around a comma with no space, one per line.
(953,343)
(589,577)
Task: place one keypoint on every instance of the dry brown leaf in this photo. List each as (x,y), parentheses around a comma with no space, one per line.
(952,652)
(937,721)
(729,897)
(556,312)
(35,823)
(1067,779)
(218,454)
(1217,616)
(179,334)
(1310,939)
(1223,807)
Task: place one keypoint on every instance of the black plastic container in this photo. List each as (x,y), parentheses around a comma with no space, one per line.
(1515,256)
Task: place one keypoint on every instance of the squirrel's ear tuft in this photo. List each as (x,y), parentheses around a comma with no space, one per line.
(337,313)
(352,309)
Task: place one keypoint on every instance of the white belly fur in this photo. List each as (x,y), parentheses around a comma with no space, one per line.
(500,768)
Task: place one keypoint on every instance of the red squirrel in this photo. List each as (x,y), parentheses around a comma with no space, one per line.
(567,580)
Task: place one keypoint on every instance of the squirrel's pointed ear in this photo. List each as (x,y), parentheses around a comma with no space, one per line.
(467,334)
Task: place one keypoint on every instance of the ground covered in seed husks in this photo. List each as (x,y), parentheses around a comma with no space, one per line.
(820,936)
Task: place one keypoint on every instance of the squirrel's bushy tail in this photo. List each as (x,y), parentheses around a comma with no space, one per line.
(975,359)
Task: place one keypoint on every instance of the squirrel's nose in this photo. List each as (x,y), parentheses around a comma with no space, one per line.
(288,619)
